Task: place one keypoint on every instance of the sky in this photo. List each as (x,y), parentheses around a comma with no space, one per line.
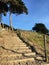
(38,12)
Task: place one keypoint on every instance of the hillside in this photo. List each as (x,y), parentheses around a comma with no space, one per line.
(21,47)
(13,50)
(34,39)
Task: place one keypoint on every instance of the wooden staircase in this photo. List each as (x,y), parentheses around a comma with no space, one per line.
(14,52)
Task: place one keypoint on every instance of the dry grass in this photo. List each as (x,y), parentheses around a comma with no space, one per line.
(35,39)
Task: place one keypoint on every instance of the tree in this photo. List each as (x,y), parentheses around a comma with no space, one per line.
(39,27)
(3,9)
(15,7)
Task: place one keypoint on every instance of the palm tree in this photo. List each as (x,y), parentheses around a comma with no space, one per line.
(15,7)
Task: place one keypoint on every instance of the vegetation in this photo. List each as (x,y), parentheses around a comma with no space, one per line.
(35,39)
(41,28)
(13,6)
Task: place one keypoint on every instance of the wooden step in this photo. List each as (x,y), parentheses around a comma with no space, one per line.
(17,45)
(18,60)
(20,63)
(14,55)
(8,55)
(23,47)
(24,51)
(39,58)
(20,45)
(17,48)
(30,54)
(20,50)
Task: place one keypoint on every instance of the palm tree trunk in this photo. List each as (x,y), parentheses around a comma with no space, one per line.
(11,21)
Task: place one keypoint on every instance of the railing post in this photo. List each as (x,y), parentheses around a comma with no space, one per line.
(45,48)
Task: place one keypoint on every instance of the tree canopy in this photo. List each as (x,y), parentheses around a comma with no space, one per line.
(14,6)
(39,27)
(3,7)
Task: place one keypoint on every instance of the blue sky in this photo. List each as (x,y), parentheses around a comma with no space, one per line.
(38,12)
